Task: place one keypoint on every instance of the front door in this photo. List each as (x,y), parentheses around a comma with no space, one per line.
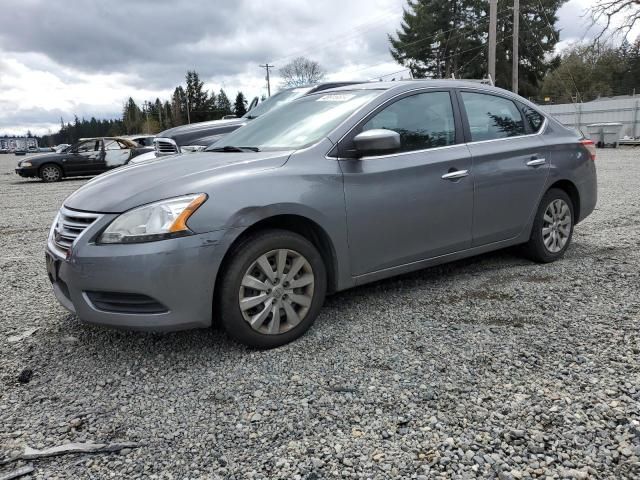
(83,158)
(509,164)
(414,204)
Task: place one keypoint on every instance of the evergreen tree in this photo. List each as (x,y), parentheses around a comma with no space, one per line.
(240,105)
(223,104)
(178,107)
(167,116)
(132,117)
(200,104)
(440,38)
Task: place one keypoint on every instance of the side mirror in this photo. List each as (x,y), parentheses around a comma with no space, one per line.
(377,142)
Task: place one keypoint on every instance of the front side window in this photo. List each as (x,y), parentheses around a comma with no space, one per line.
(424,120)
(88,146)
(298,124)
(491,117)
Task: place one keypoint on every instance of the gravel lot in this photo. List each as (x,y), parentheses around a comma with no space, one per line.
(488,367)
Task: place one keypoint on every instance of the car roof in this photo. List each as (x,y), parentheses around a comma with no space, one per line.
(400,86)
(142,135)
(124,139)
(327,85)
(406,85)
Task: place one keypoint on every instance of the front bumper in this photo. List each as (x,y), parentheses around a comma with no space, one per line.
(27,172)
(179,274)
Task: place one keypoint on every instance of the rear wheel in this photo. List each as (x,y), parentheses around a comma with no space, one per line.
(50,173)
(552,228)
(272,289)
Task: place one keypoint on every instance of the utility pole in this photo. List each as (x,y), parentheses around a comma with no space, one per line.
(493,19)
(188,114)
(516,33)
(267,67)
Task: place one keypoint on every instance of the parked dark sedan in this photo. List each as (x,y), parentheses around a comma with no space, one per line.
(90,156)
(196,137)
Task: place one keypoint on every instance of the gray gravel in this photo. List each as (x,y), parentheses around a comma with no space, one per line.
(491,367)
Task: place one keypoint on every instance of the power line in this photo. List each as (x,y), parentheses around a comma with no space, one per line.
(543,53)
(478,47)
(429,37)
(553,33)
(354,32)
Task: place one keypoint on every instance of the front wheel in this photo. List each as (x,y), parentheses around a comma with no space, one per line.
(50,173)
(272,289)
(552,228)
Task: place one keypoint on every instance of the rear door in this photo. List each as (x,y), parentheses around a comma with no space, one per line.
(405,207)
(509,164)
(116,153)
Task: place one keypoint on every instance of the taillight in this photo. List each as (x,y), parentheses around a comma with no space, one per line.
(591,148)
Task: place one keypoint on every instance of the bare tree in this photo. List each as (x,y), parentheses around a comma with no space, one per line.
(617,17)
(301,71)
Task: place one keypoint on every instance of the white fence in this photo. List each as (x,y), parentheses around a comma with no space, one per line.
(578,115)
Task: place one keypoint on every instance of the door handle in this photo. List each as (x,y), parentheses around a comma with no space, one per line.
(456,174)
(534,162)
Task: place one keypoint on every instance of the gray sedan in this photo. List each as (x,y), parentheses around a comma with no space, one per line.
(336,189)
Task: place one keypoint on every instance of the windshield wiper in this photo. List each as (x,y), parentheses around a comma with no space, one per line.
(230,148)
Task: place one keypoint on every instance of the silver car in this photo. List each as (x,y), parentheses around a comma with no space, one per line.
(333,190)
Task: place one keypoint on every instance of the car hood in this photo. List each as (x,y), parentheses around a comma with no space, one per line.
(196,127)
(134,185)
(39,157)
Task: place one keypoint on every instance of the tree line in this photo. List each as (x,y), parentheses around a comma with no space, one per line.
(445,38)
(188,104)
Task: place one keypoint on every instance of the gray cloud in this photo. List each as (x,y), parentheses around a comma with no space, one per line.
(142,48)
(159,40)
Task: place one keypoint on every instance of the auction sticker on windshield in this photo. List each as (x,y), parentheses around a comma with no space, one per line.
(335,97)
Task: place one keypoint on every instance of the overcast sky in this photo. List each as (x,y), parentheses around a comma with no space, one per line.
(60,58)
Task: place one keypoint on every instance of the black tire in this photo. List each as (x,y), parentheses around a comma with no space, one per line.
(50,172)
(535,249)
(227,306)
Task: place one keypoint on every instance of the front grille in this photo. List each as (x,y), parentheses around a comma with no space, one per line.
(70,224)
(117,302)
(165,146)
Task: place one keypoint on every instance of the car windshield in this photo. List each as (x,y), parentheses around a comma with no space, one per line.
(276,101)
(297,124)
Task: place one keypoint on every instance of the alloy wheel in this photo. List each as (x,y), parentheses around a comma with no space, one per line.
(556,225)
(276,291)
(50,174)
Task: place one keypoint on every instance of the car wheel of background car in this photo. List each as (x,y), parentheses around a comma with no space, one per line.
(272,289)
(552,227)
(50,173)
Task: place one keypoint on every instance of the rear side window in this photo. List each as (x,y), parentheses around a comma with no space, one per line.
(491,117)
(533,118)
(424,120)
(111,145)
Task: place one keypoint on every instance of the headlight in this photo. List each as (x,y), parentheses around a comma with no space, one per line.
(25,164)
(155,221)
(192,148)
